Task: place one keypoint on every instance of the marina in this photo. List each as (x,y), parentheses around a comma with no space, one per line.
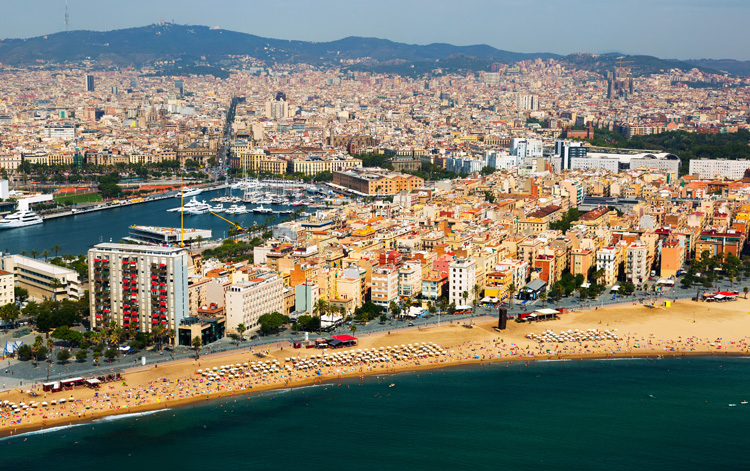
(76,232)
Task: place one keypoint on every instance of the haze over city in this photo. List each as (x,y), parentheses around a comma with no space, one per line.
(686,29)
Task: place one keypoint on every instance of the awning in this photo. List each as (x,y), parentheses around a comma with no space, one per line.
(344,338)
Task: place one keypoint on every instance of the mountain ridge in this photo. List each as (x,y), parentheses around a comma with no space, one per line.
(196,45)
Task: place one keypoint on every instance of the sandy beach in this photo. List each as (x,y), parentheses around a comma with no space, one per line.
(685,328)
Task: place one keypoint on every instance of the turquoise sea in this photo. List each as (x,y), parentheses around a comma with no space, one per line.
(599,415)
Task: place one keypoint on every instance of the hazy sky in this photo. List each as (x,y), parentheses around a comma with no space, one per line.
(681,29)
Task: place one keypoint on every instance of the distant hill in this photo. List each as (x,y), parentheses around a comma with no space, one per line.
(144,45)
(201,46)
(731,66)
(640,65)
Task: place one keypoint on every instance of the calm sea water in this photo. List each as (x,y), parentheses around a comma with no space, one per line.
(76,234)
(629,414)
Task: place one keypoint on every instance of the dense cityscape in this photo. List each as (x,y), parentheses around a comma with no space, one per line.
(353,203)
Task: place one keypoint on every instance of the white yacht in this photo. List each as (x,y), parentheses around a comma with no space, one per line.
(236,209)
(261,210)
(20,219)
(219,208)
(195,207)
(188,192)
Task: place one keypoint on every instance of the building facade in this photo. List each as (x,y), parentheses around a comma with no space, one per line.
(138,287)
(462,278)
(247,301)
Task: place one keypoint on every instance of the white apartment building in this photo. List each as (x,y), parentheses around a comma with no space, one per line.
(608,260)
(66,132)
(705,168)
(610,164)
(526,148)
(410,280)
(384,287)
(499,160)
(138,286)
(636,263)
(248,300)
(6,288)
(462,276)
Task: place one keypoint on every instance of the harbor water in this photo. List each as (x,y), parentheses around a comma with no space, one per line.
(76,234)
(671,414)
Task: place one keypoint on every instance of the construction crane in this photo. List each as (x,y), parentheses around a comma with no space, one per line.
(619,68)
(239,228)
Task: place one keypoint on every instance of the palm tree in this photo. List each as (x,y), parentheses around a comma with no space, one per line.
(465,295)
(45,254)
(171,335)
(34,253)
(54,284)
(56,248)
(745,290)
(241,330)
(476,294)
(320,309)
(543,297)
(157,332)
(511,291)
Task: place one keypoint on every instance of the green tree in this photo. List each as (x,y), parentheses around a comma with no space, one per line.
(9,313)
(41,352)
(45,254)
(56,248)
(81,355)
(543,297)
(63,355)
(34,253)
(196,343)
(24,352)
(97,356)
(21,294)
(383,319)
(745,290)
(110,354)
(272,322)
(395,309)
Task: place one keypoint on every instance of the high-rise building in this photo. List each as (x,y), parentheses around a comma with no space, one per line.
(277,109)
(527,102)
(462,277)
(180,85)
(569,150)
(89,83)
(138,287)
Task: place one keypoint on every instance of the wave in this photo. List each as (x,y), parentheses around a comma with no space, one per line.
(112,418)
(43,431)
